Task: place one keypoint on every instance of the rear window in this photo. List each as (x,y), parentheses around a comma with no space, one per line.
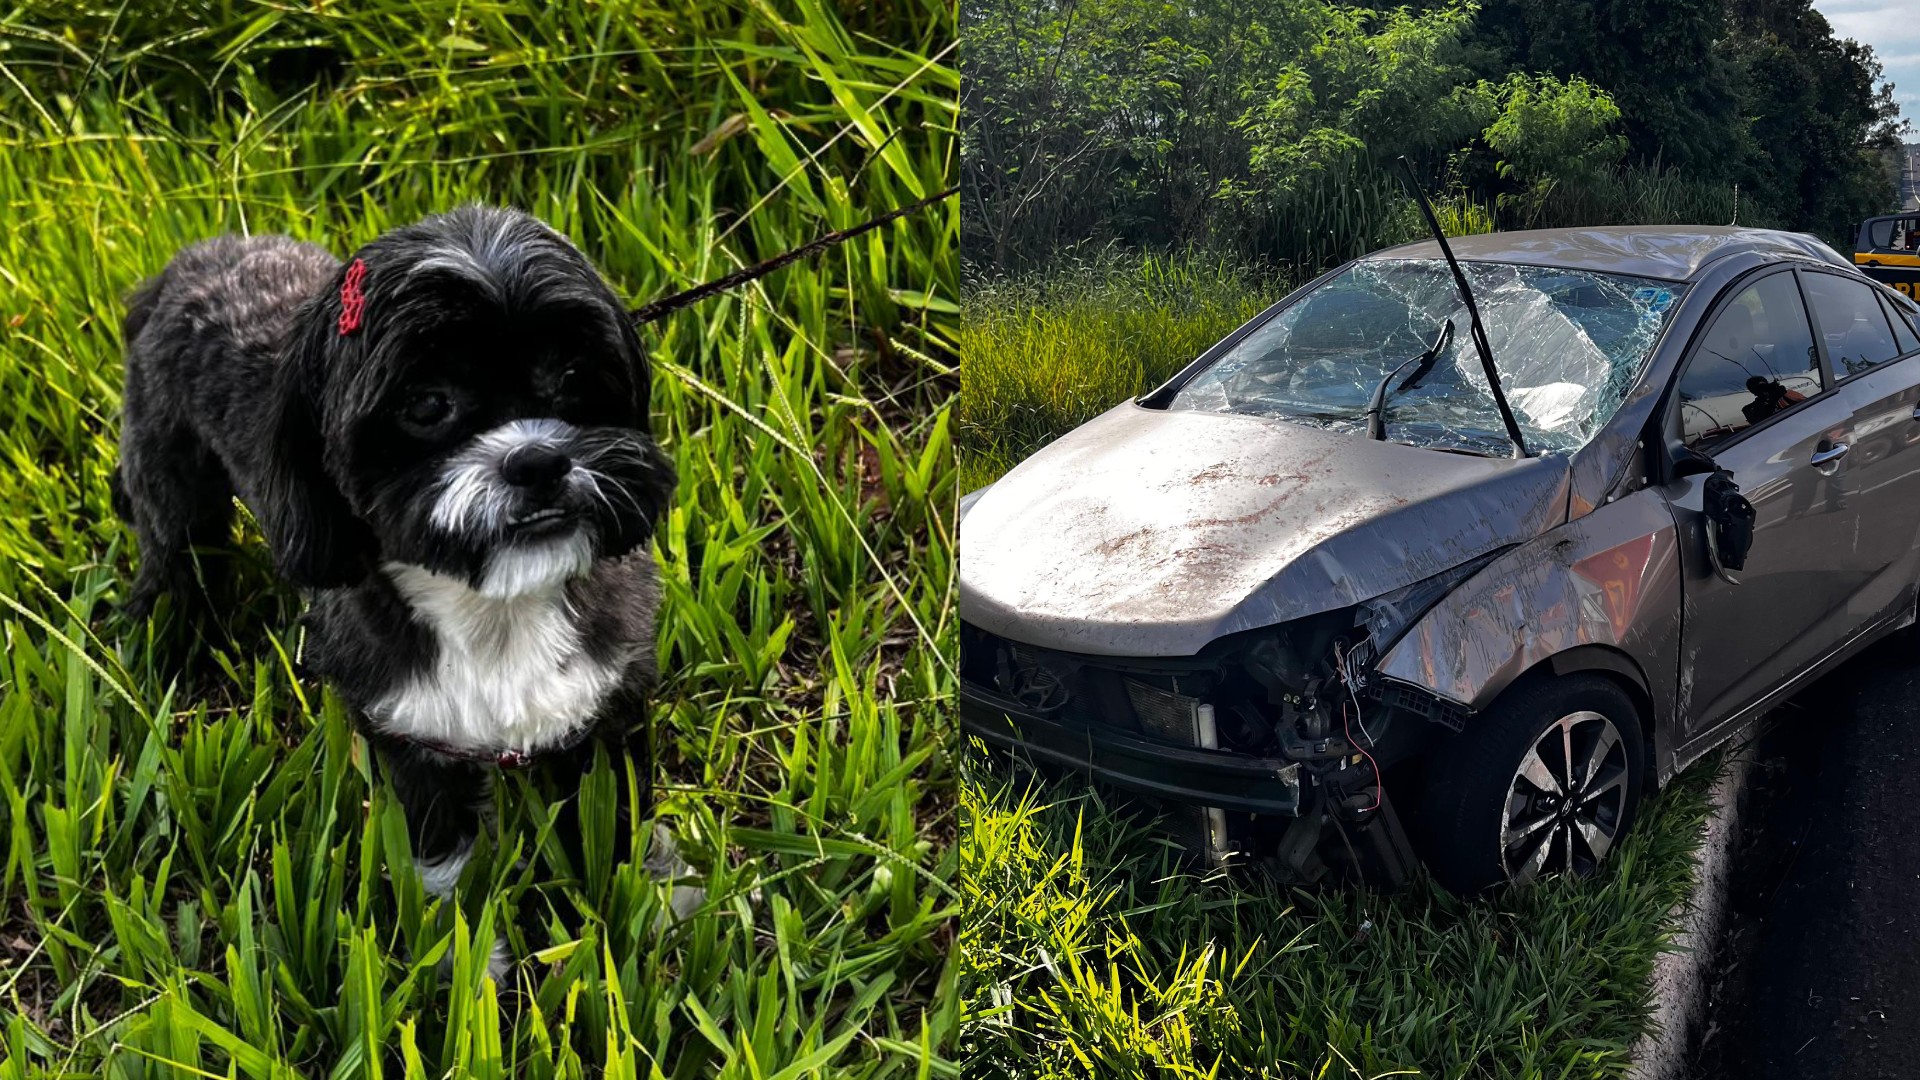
(1852,322)
(1903,334)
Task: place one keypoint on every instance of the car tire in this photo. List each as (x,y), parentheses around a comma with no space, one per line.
(1494,790)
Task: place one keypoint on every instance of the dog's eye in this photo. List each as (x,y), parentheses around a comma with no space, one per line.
(429,408)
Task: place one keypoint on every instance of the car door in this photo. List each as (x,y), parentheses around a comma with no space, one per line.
(1755,395)
(1871,352)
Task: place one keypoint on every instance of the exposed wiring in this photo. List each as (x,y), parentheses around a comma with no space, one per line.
(1346,727)
(1347,679)
(1379,784)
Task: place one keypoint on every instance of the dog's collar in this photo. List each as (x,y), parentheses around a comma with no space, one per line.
(505,759)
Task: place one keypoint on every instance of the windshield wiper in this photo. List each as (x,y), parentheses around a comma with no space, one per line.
(1377,405)
(1478,332)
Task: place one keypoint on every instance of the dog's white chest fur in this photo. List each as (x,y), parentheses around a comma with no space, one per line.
(510,673)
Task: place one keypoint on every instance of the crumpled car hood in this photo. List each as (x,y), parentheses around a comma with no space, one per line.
(1151,533)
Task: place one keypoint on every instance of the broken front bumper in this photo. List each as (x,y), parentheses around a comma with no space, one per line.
(1216,778)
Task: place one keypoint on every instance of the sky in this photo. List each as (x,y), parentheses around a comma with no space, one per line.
(1892,27)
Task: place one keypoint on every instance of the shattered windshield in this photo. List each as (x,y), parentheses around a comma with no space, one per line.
(1567,343)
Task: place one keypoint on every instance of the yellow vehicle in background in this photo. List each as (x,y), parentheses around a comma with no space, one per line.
(1888,249)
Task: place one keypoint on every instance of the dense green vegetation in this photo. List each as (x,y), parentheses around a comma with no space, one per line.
(1266,128)
(195,848)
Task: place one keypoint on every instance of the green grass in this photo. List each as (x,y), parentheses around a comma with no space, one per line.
(1046,352)
(195,848)
(1645,195)
(1088,947)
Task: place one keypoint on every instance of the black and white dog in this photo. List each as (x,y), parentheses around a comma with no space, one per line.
(446,442)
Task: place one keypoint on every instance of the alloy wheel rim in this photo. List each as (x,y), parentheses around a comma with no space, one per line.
(1567,800)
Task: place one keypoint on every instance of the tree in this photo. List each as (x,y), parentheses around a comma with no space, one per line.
(1264,125)
(1823,122)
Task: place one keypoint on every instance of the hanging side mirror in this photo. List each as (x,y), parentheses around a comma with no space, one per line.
(1729,524)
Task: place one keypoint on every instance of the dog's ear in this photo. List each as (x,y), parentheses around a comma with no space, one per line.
(317,540)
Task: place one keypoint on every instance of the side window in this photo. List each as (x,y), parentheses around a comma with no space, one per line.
(1901,234)
(1852,323)
(1756,359)
(1903,334)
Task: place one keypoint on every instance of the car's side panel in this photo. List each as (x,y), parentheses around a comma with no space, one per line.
(1885,461)
(1801,592)
(1690,750)
(1833,543)
(1610,579)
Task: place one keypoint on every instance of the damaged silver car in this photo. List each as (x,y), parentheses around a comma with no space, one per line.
(1343,598)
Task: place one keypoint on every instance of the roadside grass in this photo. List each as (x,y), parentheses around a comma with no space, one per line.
(1088,947)
(195,877)
(1048,351)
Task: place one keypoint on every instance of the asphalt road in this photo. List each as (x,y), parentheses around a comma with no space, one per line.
(1819,973)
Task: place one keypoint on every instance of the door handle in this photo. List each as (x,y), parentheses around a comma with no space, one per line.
(1916,412)
(1830,455)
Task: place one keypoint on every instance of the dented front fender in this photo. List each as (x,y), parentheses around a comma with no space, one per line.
(1609,579)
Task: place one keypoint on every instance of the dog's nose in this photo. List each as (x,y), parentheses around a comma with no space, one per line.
(534,466)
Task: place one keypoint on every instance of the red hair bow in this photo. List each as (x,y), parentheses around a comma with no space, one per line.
(353,302)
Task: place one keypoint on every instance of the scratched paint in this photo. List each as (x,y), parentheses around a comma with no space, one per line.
(1610,579)
(1151,533)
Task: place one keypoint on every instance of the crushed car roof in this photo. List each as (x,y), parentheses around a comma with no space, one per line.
(1666,252)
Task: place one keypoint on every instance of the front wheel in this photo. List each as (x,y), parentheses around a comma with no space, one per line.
(1545,781)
